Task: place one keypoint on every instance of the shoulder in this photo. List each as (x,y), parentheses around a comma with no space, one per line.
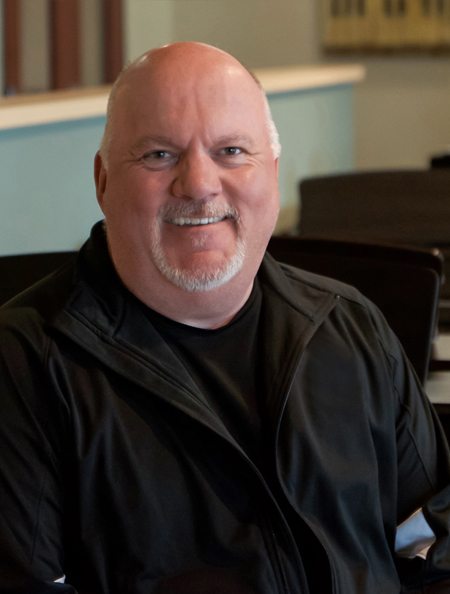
(352,311)
(298,277)
(303,286)
(25,318)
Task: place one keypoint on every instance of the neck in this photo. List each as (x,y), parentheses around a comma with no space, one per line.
(205,309)
(201,309)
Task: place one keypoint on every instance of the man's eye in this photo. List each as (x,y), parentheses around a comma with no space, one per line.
(232,150)
(157,155)
(158,160)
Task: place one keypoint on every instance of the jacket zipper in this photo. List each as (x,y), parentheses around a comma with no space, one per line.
(317,533)
(280,564)
(266,524)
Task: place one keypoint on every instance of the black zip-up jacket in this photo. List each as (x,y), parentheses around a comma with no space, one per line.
(115,472)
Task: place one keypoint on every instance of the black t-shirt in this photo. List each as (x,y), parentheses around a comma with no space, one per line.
(224,364)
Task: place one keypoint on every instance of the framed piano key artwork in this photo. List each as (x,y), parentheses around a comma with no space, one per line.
(386,26)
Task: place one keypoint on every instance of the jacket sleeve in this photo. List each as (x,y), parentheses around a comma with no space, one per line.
(31,488)
(423,461)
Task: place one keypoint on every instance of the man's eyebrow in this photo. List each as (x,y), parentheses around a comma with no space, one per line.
(232,139)
(144,142)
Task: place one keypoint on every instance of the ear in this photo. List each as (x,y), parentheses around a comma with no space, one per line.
(100,175)
(277,160)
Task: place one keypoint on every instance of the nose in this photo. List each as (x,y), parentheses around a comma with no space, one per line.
(197,177)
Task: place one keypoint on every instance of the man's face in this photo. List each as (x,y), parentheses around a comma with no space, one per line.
(191,191)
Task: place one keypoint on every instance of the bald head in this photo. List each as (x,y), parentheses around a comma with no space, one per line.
(188,181)
(183,62)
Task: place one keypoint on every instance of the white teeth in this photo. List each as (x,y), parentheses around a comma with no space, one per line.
(205,221)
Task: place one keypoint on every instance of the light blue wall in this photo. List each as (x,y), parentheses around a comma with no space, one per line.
(316,134)
(47,200)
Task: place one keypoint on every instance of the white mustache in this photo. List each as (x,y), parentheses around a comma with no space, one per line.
(200,210)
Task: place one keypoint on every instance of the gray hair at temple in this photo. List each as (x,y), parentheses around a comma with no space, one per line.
(107,135)
(273,132)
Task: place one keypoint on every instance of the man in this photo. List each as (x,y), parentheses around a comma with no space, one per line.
(180,414)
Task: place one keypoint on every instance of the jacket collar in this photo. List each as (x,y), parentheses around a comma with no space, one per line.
(295,305)
(97,277)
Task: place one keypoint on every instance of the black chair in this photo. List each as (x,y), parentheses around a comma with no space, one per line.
(17,273)
(403,282)
(407,207)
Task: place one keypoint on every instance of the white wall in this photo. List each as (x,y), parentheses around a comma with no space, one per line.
(148,24)
(258,32)
(402,112)
(35,46)
(402,109)
(91,42)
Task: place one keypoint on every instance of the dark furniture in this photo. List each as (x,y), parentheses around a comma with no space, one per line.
(409,207)
(17,273)
(440,161)
(403,282)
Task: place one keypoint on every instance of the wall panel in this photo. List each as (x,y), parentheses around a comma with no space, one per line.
(12,48)
(2,53)
(65,43)
(112,39)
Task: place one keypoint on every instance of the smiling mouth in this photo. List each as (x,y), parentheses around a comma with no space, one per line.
(193,222)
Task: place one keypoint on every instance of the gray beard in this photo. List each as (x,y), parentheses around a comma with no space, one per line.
(197,279)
